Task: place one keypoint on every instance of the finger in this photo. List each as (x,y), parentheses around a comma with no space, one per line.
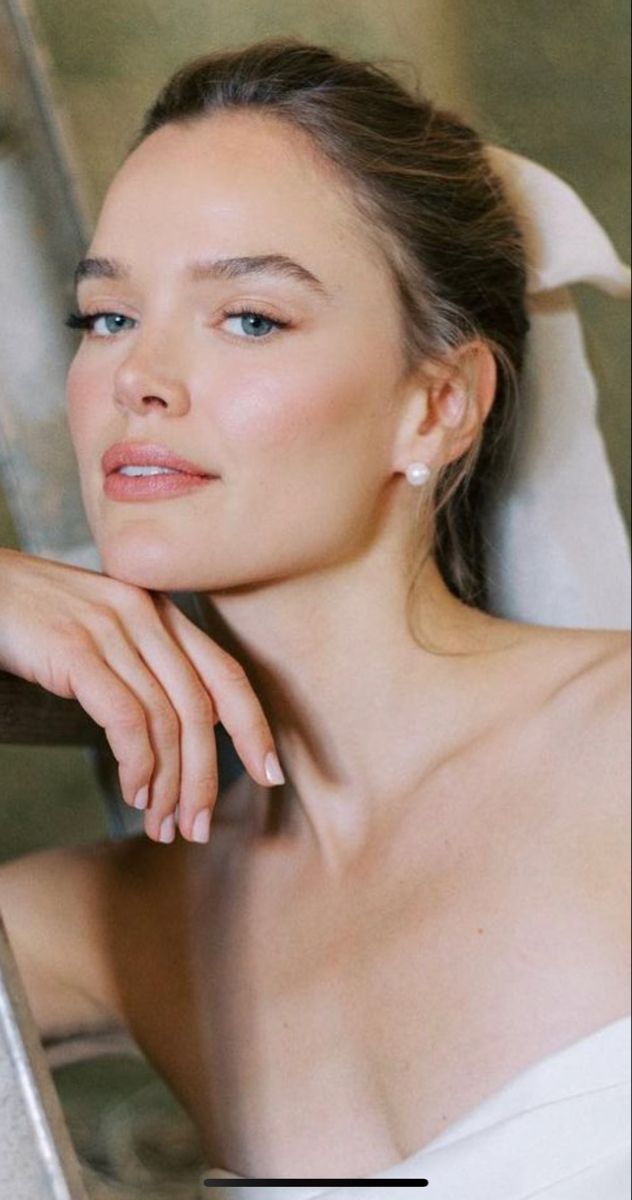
(196,714)
(118,712)
(238,707)
(163,725)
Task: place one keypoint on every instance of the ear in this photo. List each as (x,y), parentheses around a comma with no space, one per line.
(442,414)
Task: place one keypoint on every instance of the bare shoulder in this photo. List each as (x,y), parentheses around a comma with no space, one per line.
(55,904)
(590,698)
(574,675)
(80,919)
(599,660)
(579,684)
(588,715)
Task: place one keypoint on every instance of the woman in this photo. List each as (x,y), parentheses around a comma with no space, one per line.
(303,315)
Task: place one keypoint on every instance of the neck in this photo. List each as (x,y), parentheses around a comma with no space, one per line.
(360,711)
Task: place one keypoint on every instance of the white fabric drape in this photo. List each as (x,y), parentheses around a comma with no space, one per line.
(558,550)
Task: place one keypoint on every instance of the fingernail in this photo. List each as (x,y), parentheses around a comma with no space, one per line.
(201,826)
(141,798)
(167,830)
(273,771)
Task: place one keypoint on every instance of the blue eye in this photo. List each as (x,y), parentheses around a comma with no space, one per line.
(253,321)
(254,325)
(111,323)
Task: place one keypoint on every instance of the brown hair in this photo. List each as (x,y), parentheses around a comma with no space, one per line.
(420,178)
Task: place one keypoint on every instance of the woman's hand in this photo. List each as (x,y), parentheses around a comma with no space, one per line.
(151,679)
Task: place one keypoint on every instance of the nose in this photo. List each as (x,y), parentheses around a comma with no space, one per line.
(143,383)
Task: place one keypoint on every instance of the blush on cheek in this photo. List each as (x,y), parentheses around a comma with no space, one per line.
(298,398)
(93,425)
(79,398)
(259,411)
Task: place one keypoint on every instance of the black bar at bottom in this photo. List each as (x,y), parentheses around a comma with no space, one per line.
(335,1182)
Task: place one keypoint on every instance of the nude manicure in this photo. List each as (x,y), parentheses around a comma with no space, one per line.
(274,774)
(141,798)
(167,830)
(201,826)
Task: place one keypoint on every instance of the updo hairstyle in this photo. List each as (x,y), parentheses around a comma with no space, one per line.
(426,194)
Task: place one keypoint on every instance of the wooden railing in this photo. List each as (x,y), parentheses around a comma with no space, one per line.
(31,716)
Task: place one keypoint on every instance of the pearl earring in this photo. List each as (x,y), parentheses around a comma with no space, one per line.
(417,473)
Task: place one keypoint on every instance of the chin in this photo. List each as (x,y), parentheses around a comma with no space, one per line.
(152,565)
(158,566)
(152,577)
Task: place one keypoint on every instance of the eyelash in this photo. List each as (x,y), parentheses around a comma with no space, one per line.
(86,321)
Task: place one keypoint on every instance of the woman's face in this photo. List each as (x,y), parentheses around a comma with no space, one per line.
(294,420)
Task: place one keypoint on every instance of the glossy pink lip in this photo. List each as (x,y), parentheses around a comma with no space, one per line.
(146,454)
(130,488)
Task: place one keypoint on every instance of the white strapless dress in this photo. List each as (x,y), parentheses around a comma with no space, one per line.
(560,1130)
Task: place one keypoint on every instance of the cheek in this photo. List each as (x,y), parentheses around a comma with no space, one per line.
(87,413)
(307,450)
(80,397)
(301,406)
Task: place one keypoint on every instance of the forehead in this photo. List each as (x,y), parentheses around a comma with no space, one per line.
(235,183)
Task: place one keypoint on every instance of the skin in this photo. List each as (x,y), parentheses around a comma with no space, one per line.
(310,430)
(433,900)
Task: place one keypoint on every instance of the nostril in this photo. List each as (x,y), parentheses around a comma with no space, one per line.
(130,391)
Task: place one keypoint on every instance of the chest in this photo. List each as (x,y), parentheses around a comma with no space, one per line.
(349,1025)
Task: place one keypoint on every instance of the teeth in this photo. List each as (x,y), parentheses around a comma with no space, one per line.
(146,471)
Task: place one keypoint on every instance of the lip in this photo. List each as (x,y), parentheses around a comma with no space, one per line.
(130,488)
(149,454)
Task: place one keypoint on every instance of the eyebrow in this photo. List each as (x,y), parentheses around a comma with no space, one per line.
(217,268)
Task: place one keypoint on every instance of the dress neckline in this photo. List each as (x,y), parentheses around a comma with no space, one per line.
(517,1087)
(483,1113)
